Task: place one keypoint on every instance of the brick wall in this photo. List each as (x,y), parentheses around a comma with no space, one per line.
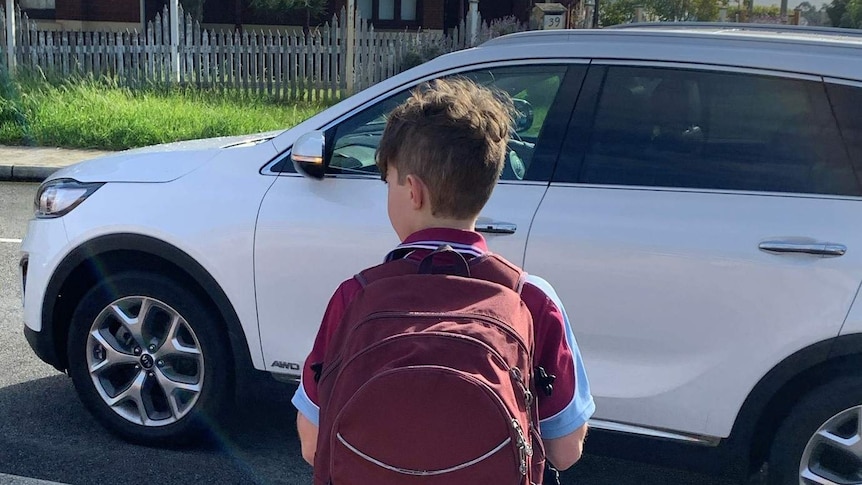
(99,10)
(432,14)
(226,12)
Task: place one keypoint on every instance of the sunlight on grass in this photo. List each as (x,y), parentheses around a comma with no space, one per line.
(91,114)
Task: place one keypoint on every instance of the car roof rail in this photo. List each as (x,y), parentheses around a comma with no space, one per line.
(777,28)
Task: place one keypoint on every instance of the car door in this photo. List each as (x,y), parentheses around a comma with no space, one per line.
(698,228)
(311,235)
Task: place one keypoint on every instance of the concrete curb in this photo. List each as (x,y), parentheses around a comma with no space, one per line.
(25,173)
(16,480)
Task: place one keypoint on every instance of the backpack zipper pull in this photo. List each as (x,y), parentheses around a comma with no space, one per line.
(524,449)
(519,379)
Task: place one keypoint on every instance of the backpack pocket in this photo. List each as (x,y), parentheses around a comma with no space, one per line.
(427,425)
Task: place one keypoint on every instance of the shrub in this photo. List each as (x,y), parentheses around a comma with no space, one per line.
(422,52)
(506,25)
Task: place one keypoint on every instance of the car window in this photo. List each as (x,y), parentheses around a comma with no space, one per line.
(846,102)
(534,88)
(715,130)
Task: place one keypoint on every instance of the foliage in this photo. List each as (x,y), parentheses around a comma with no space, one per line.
(759,14)
(86,113)
(612,12)
(506,25)
(314,9)
(845,13)
(422,52)
(811,14)
(13,124)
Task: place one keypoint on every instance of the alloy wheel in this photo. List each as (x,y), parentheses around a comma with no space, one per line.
(145,361)
(833,455)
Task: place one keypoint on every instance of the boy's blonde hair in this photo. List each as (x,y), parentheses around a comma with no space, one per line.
(452,134)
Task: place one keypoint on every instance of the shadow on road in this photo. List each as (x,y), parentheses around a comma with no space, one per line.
(46,433)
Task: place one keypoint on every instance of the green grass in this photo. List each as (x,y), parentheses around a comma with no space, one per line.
(103,115)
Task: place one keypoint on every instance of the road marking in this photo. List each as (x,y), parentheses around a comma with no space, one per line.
(10,240)
(16,480)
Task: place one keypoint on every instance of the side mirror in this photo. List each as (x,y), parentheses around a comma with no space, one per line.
(524,118)
(307,155)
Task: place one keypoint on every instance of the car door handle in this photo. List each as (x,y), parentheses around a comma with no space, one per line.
(821,249)
(496,227)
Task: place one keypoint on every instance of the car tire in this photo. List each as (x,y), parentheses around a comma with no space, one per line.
(815,441)
(161,379)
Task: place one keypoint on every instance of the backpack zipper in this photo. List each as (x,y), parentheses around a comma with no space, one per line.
(478,316)
(518,378)
(461,315)
(524,449)
(513,371)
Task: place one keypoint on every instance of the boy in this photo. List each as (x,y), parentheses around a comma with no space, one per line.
(441,155)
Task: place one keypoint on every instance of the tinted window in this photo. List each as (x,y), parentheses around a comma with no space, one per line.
(712,130)
(847,105)
(534,88)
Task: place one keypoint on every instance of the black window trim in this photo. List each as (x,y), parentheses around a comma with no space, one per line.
(705,66)
(855,163)
(397,22)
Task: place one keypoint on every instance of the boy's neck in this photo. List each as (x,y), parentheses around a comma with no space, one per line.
(442,223)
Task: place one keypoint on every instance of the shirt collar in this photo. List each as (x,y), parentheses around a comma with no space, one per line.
(465,242)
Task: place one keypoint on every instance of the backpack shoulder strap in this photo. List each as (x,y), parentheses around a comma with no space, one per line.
(398,267)
(497,269)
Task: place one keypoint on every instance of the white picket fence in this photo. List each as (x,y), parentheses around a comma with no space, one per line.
(281,65)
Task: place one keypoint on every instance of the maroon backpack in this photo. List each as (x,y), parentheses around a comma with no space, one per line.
(428,378)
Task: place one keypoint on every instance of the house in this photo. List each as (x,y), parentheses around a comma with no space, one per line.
(130,14)
(383,14)
(433,14)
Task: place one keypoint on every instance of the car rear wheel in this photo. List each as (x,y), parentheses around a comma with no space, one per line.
(146,359)
(820,442)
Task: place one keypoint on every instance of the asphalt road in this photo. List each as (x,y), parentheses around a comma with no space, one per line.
(45,432)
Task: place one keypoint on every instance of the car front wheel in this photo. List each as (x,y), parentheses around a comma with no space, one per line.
(820,442)
(146,359)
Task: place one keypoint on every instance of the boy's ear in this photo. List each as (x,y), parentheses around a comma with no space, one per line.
(418,191)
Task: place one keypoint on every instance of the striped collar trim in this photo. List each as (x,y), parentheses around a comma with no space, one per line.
(468,243)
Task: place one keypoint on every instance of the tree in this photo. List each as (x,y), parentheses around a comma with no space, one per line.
(313,9)
(852,18)
(614,12)
(703,10)
(810,13)
(845,13)
(757,14)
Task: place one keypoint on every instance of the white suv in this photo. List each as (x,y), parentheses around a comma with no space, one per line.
(692,192)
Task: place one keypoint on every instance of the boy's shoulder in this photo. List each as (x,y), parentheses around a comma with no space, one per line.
(539,295)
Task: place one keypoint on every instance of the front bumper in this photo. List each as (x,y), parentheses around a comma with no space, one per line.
(42,344)
(41,251)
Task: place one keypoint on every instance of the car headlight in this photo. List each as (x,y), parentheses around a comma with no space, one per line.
(57,197)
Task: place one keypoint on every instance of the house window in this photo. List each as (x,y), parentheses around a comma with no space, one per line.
(389,13)
(366,8)
(386,9)
(408,10)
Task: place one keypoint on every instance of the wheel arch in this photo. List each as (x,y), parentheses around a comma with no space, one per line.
(108,254)
(775,395)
